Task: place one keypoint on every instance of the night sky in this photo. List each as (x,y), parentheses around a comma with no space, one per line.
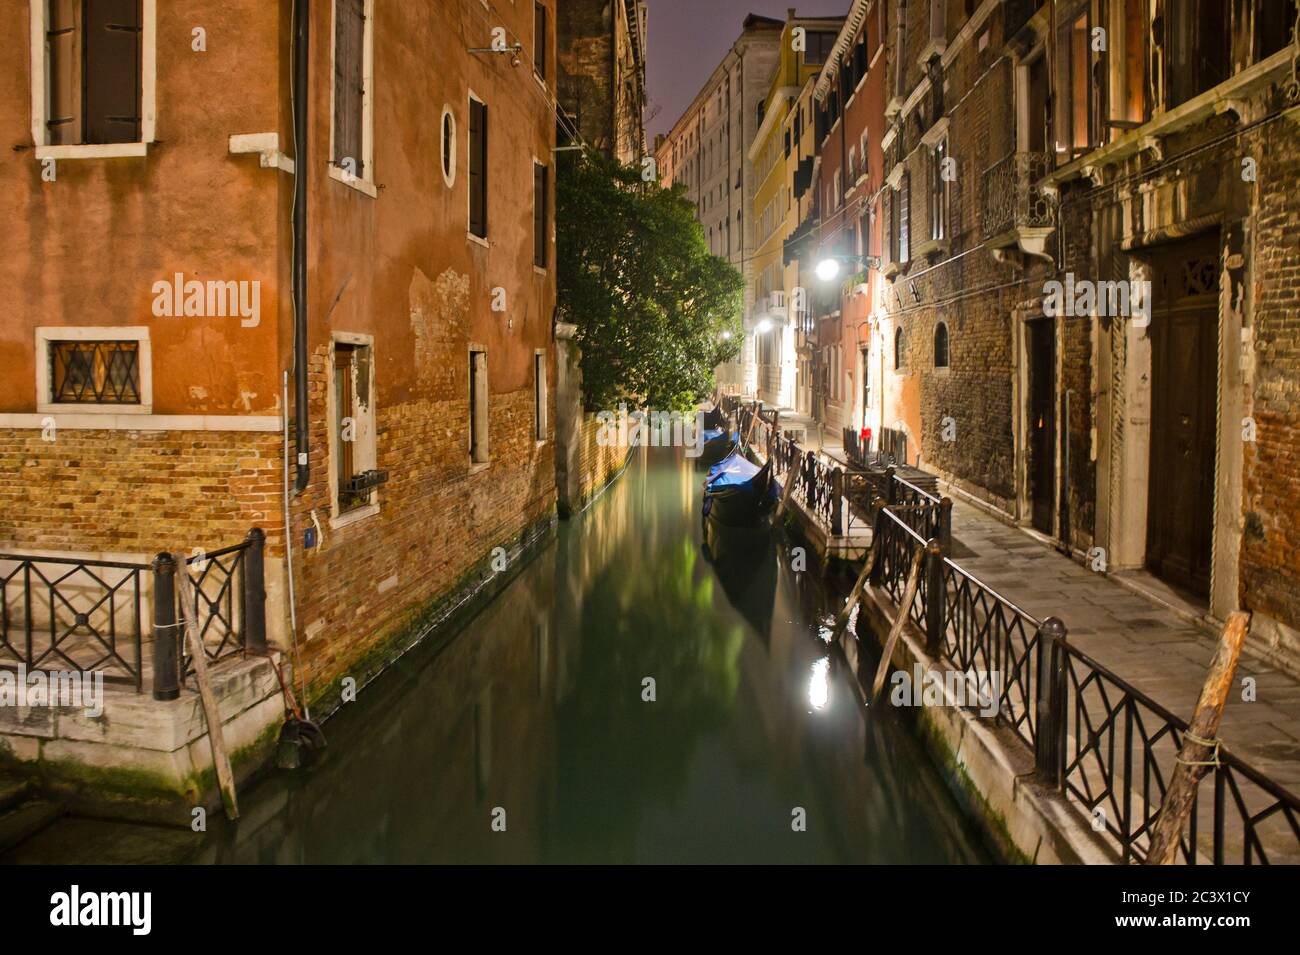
(687,40)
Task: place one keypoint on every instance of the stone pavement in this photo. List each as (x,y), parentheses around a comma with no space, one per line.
(1144,643)
(1148,645)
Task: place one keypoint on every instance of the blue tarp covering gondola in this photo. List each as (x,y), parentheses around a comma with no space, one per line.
(718,443)
(738,492)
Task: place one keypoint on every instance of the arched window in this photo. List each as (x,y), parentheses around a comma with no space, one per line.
(941,345)
(900,350)
(448,147)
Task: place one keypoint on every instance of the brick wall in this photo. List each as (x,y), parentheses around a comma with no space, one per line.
(1270,553)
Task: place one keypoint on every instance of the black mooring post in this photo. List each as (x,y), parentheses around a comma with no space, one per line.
(255,592)
(1050,732)
(934,597)
(166,635)
(891,490)
(945,525)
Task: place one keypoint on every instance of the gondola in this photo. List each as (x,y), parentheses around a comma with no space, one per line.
(716,419)
(718,443)
(738,492)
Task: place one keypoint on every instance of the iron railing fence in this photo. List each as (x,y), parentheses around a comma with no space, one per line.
(86,615)
(1098,740)
(62,613)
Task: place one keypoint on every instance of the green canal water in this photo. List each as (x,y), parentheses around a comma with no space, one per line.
(535,715)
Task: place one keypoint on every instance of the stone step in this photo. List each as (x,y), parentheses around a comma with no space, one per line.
(19,824)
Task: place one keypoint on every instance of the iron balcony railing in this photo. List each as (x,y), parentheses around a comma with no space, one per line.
(1106,746)
(1012,197)
(68,614)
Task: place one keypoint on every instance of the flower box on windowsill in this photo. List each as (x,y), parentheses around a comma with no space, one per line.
(365,481)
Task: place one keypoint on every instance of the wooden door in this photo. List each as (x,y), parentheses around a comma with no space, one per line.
(1184,375)
(1042,421)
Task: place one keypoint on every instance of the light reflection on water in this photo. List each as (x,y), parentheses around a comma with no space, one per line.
(539,708)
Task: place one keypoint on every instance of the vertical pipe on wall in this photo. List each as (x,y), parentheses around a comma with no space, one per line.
(301,16)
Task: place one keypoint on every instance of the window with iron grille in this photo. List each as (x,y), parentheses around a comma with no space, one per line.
(89,372)
(93,71)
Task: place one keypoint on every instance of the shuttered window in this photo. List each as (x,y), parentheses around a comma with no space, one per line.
(478,138)
(93,71)
(349,85)
(539,39)
(905,219)
(541,212)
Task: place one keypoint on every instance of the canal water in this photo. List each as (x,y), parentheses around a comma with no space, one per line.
(633,695)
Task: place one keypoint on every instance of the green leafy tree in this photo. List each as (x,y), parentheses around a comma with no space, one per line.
(656,312)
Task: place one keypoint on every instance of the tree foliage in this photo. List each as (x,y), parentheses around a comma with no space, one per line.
(653,307)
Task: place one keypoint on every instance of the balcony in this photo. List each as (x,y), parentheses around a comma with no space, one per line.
(771,307)
(1019,216)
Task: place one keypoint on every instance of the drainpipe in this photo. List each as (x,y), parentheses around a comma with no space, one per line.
(301,19)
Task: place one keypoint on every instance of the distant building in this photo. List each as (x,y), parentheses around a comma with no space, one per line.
(774,154)
(707,151)
(601,88)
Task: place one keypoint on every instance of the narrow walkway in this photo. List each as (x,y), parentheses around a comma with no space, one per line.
(1156,650)
(1150,646)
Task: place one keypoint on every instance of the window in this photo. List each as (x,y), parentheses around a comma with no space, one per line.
(900,350)
(93,370)
(541,213)
(904,198)
(539,40)
(939,193)
(97,60)
(1196,40)
(350,133)
(539,395)
(106,373)
(478,172)
(352,431)
(819,48)
(448,147)
(941,345)
(478,407)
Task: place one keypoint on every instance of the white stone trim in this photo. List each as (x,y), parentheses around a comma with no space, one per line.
(79,421)
(148,91)
(93,333)
(365,183)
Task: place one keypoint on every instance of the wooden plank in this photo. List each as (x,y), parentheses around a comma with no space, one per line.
(1199,747)
(842,618)
(904,607)
(211,712)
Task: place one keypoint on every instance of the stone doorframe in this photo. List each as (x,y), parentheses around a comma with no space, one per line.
(1021,315)
(1124,419)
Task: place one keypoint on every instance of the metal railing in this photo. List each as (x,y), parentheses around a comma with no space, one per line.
(60,613)
(1012,198)
(1099,741)
(63,613)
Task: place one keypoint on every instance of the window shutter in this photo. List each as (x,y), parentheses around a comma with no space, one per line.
(539,39)
(541,197)
(63,40)
(905,219)
(112,77)
(478,168)
(349,81)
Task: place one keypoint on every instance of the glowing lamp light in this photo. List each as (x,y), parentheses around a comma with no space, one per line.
(726,335)
(763,327)
(819,684)
(828,269)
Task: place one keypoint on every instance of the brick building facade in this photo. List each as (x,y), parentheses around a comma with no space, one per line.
(602,73)
(130,424)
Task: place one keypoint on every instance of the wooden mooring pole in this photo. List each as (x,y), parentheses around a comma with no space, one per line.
(211,712)
(904,608)
(1200,749)
(842,618)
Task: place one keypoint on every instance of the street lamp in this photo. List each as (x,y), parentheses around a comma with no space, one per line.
(828,269)
(763,327)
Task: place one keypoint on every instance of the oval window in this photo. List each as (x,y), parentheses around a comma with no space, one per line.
(448,146)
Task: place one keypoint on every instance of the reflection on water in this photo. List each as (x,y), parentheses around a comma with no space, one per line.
(632,696)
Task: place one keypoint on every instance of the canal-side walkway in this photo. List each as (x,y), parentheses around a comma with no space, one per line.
(1157,650)
(1152,647)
